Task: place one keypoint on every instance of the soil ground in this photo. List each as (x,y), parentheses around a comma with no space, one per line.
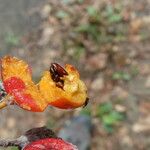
(108,41)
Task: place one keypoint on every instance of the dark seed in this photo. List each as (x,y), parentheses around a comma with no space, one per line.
(57,72)
(56,68)
(60,84)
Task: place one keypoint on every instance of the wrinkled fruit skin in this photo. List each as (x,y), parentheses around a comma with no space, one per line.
(50,144)
(14,84)
(67,93)
(16,88)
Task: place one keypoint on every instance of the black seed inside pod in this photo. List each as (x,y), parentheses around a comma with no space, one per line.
(57,72)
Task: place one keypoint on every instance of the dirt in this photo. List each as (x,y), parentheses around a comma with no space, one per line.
(53,40)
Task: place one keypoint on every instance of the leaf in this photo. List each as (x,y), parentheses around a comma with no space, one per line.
(113,15)
(104,108)
(112,118)
(62,14)
(121,76)
(108,128)
(11,39)
(116,76)
(92,11)
(126,77)
(82,28)
(115,18)
(86,111)
(79,50)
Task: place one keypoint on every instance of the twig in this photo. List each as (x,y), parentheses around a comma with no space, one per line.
(7,100)
(7,143)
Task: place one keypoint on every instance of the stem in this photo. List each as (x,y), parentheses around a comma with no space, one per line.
(19,142)
(7,100)
(3,104)
(7,143)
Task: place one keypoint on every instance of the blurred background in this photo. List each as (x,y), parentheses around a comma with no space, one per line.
(108,41)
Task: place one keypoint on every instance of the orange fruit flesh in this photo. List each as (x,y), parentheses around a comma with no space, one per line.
(13,67)
(72,95)
(36,97)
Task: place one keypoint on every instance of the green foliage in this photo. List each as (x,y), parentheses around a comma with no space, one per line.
(134,71)
(70,1)
(104,108)
(90,29)
(14,148)
(93,14)
(113,14)
(112,117)
(78,52)
(91,11)
(82,28)
(62,14)
(80,1)
(121,76)
(11,39)
(101,25)
(94,25)
(109,116)
(86,111)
